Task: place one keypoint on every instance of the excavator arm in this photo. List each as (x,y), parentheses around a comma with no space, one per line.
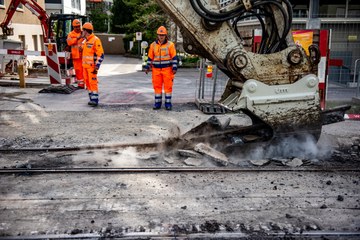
(211,33)
(35,8)
(278,85)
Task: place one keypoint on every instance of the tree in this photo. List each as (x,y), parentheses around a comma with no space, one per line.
(121,16)
(99,18)
(131,16)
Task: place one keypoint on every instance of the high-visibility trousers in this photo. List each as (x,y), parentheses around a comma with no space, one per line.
(162,77)
(91,80)
(78,69)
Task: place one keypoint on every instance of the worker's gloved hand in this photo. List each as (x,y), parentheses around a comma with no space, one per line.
(147,70)
(95,71)
(174,71)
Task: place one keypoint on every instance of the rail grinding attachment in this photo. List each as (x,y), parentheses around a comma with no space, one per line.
(276,86)
(223,135)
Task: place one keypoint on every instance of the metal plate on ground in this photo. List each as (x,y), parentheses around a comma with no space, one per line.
(62,89)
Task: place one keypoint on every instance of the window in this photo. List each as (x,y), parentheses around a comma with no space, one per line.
(41,42)
(53,1)
(75,4)
(35,42)
(22,39)
(2,3)
(332,8)
(20,8)
(300,11)
(340,12)
(354,13)
(354,9)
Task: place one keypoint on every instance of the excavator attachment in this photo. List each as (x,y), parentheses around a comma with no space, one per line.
(223,135)
(277,87)
(286,108)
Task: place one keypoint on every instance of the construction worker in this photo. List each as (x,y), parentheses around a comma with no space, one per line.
(92,57)
(74,40)
(162,60)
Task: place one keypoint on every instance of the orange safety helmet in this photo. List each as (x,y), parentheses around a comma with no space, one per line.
(88,26)
(162,30)
(76,23)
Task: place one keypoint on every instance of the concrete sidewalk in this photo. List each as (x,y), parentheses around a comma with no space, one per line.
(122,82)
(112,65)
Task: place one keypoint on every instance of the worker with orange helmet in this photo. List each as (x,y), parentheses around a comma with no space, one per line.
(162,60)
(92,57)
(74,40)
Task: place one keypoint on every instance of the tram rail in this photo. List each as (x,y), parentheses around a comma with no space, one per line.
(167,170)
(229,235)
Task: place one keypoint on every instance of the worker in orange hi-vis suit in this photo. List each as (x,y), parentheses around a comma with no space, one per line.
(162,60)
(92,57)
(74,40)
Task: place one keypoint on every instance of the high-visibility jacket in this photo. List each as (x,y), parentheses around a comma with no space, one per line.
(75,44)
(162,55)
(93,52)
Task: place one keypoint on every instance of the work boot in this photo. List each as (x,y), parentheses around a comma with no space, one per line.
(168,105)
(158,101)
(94,99)
(81,84)
(92,103)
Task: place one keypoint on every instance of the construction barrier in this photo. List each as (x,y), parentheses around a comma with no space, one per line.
(352,116)
(53,64)
(210,86)
(52,58)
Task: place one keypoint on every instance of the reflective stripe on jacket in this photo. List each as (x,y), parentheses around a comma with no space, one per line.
(75,44)
(93,52)
(162,55)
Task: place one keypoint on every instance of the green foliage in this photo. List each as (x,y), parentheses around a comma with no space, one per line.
(190,59)
(121,16)
(99,18)
(131,16)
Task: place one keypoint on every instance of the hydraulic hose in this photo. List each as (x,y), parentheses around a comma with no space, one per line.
(260,9)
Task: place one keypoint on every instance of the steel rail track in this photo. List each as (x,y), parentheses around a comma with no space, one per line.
(82,148)
(220,235)
(164,169)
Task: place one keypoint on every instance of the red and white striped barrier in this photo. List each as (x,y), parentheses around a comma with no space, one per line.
(323,66)
(52,58)
(28,53)
(53,64)
(352,116)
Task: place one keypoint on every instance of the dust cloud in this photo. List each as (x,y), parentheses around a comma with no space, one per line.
(303,147)
(125,157)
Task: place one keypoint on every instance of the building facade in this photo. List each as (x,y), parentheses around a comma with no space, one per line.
(342,19)
(66,6)
(27,27)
